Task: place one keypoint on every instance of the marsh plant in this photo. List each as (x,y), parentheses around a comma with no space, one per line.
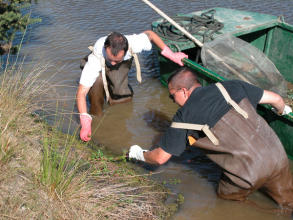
(18,90)
(58,168)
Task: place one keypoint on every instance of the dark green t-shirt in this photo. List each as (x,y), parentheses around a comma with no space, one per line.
(206,105)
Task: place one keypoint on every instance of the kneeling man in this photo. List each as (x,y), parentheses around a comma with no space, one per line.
(221,120)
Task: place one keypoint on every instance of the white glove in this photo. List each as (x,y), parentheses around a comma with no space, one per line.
(286,111)
(136,152)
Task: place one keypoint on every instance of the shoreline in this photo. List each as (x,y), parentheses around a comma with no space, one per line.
(92,183)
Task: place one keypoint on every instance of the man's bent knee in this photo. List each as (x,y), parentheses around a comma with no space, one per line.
(227,189)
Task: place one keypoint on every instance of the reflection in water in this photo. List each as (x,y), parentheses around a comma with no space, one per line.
(69,27)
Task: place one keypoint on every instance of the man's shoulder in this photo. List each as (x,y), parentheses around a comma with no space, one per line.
(139,42)
(138,38)
(233,82)
(98,47)
(240,85)
(235,85)
(134,37)
(101,40)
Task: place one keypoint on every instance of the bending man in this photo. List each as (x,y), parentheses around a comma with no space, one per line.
(222,121)
(106,72)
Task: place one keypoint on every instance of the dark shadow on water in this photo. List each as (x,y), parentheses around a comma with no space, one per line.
(159,122)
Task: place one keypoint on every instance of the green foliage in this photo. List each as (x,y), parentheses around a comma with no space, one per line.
(12,21)
(19,92)
(175,181)
(99,161)
(6,152)
(57,169)
(100,156)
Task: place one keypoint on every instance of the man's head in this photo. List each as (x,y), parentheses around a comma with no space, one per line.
(116,46)
(181,84)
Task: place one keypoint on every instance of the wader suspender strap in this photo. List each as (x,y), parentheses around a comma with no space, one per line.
(102,60)
(104,78)
(205,128)
(138,72)
(230,101)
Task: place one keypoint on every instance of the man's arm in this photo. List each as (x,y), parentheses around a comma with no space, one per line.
(166,51)
(85,119)
(82,91)
(153,37)
(274,100)
(156,156)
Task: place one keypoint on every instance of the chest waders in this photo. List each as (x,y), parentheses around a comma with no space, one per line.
(249,151)
(112,83)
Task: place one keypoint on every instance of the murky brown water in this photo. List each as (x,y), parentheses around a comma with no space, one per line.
(69,27)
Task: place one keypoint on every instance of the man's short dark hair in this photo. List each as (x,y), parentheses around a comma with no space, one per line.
(116,42)
(183,77)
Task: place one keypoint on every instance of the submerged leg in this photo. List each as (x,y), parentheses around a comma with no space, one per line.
(96,97)
(228,189)
(280,188)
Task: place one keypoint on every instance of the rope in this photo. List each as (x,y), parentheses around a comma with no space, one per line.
(192,24)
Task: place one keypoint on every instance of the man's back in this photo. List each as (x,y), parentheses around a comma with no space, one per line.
(206,105)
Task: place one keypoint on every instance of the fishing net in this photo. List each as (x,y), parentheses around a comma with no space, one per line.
(233,58)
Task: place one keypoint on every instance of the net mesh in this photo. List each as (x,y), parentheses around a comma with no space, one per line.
(234,58)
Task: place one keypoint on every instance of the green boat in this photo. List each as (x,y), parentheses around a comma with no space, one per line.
(270,34)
